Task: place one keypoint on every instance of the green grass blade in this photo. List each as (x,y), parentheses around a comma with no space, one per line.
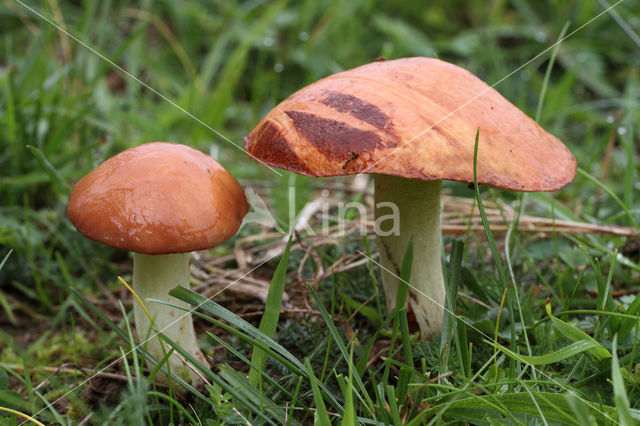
(632,92)
(449,323)
(175,403)
(547,74)
(253,394)
(294,399)
(494,249)
(556,356)
(487,228)
(381,403)
(321,416)
(349,416)
(478,409)
(402,323)
(405,277)
(624,316)
(245,331)
(5,258)
(463,347)
(56,180)
(576,335)
(627,324)
(236,353)
(370,313)
(269,321)
(124,336)
(392,400)
(239,326)
(619,392)
(535,402)
(10,121)
(249,403)
(3,300)
(77,294)
(343,349)
(581,410)
(611,194)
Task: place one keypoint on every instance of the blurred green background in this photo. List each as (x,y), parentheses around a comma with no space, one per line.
(83,80)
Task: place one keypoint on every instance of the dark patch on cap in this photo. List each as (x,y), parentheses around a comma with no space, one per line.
(353,157)
(365,111)
(273,149)
(334,139)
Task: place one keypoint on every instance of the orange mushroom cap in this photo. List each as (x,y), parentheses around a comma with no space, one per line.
(415,118)
(158,198)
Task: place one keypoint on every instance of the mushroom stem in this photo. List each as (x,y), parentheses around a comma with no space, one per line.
(153,277)
(418,205)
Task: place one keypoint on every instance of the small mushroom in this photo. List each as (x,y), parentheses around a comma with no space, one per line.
(412,122)
(161,201)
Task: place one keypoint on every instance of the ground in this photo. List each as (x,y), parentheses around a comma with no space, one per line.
(81,81)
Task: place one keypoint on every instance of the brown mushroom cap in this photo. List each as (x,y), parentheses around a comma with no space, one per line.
(158,198)
(414,118)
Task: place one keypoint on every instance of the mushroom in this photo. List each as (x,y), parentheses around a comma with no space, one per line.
(412,122)
(161,201)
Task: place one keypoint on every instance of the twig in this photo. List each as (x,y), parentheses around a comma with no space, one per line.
(616,293)
(282,311)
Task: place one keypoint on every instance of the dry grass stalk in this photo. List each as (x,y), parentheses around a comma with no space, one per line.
(460,215)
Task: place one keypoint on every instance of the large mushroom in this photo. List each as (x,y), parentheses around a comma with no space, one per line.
(161,201)
(412,122)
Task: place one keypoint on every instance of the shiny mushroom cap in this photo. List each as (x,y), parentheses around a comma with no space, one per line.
(158,198)
(415,118)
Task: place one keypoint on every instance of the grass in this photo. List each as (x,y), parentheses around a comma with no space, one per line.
(540,329)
